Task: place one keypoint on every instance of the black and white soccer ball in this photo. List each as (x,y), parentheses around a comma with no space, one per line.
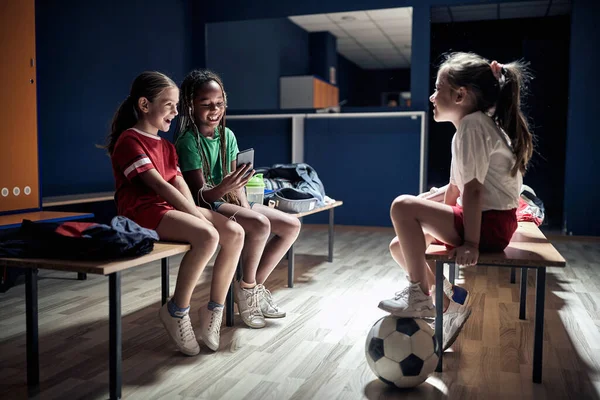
(401,351)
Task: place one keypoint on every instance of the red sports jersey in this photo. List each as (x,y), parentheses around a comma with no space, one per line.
(134,153)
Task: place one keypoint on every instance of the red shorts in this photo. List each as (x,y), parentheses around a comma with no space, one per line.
(497,228)
(149,216)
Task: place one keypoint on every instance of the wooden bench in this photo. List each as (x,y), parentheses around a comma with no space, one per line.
(162,251)
(528,248)
(290,255)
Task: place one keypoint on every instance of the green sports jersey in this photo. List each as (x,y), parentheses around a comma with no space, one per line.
(188,151)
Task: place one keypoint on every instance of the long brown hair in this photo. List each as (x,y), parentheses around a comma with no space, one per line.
(150,85)
(189,89)
(502,95)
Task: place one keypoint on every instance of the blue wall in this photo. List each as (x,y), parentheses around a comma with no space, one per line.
(582,181)
(88,54)
(271,139)
(323,54)
(366,162)
(250,56)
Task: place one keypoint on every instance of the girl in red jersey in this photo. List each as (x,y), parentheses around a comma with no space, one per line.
(151,191)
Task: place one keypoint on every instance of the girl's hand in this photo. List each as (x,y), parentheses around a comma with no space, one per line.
(467,254)
(236,180)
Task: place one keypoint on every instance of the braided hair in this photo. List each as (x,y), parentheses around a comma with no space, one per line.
(186,122)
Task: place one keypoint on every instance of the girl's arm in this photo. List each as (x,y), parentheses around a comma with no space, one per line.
(164,189)
(451,195)
(471,200)
(240,192)
(231,182)
(179,183)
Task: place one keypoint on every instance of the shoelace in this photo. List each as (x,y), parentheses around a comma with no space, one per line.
(185,329)
(253,302)
(402,294)
(267,296)
(212,326)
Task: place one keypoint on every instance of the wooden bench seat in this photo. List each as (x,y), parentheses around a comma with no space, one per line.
(529,248)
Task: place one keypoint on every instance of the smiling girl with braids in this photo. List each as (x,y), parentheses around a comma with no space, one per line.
(207,154)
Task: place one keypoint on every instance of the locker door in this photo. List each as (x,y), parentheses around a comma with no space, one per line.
(19,181)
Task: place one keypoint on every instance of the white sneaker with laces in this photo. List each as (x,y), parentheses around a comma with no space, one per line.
(180,330)
(410,302)
(210,326)
(454,319)
(267,305)
(248,305)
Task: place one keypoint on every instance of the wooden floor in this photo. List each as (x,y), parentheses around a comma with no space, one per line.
(317,352)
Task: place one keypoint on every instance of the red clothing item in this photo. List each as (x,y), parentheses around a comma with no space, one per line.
(134,153)
(497,228)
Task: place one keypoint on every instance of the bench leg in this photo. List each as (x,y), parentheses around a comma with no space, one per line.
(331,236)
(164,280)
(439,310)
(523,294)
(239,272)
(538,341)
(31,321)
(81,276)
(229,306)
(114,317)
(291,267)
(512,275)
(452,272)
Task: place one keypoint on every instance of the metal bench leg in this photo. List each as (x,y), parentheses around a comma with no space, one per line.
(291,267)
(239,272)
(81,276)
(331,236)
(439,310)
(115,338)
(538,341)
(452,272)
(523,294)
(31,322)
(229,306)
(164,280)
(512,275)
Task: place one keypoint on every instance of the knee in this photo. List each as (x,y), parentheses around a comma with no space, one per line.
(234,234)
(258,227)
(402,206)
(394,244)
(291,227)
(205,237)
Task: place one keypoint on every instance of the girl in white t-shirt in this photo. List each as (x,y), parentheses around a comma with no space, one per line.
(490,152)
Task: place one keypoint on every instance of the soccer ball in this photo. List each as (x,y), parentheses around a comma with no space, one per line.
(401,351)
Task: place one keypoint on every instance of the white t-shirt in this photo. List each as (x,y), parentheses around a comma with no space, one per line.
(482,151)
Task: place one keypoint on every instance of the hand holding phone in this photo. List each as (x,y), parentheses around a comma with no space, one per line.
(245,157)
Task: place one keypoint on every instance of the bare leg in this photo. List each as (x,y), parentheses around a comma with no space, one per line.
(412,218)
(178,226)
(257,229)
(396,252)
(231,239)
(286,229)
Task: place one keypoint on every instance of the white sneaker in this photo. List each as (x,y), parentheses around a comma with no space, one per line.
(248,305)
(210,326)
(454,319)
(410,302)
(181,331)
(267,305)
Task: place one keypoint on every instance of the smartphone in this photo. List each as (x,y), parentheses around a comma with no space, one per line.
(245,157)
